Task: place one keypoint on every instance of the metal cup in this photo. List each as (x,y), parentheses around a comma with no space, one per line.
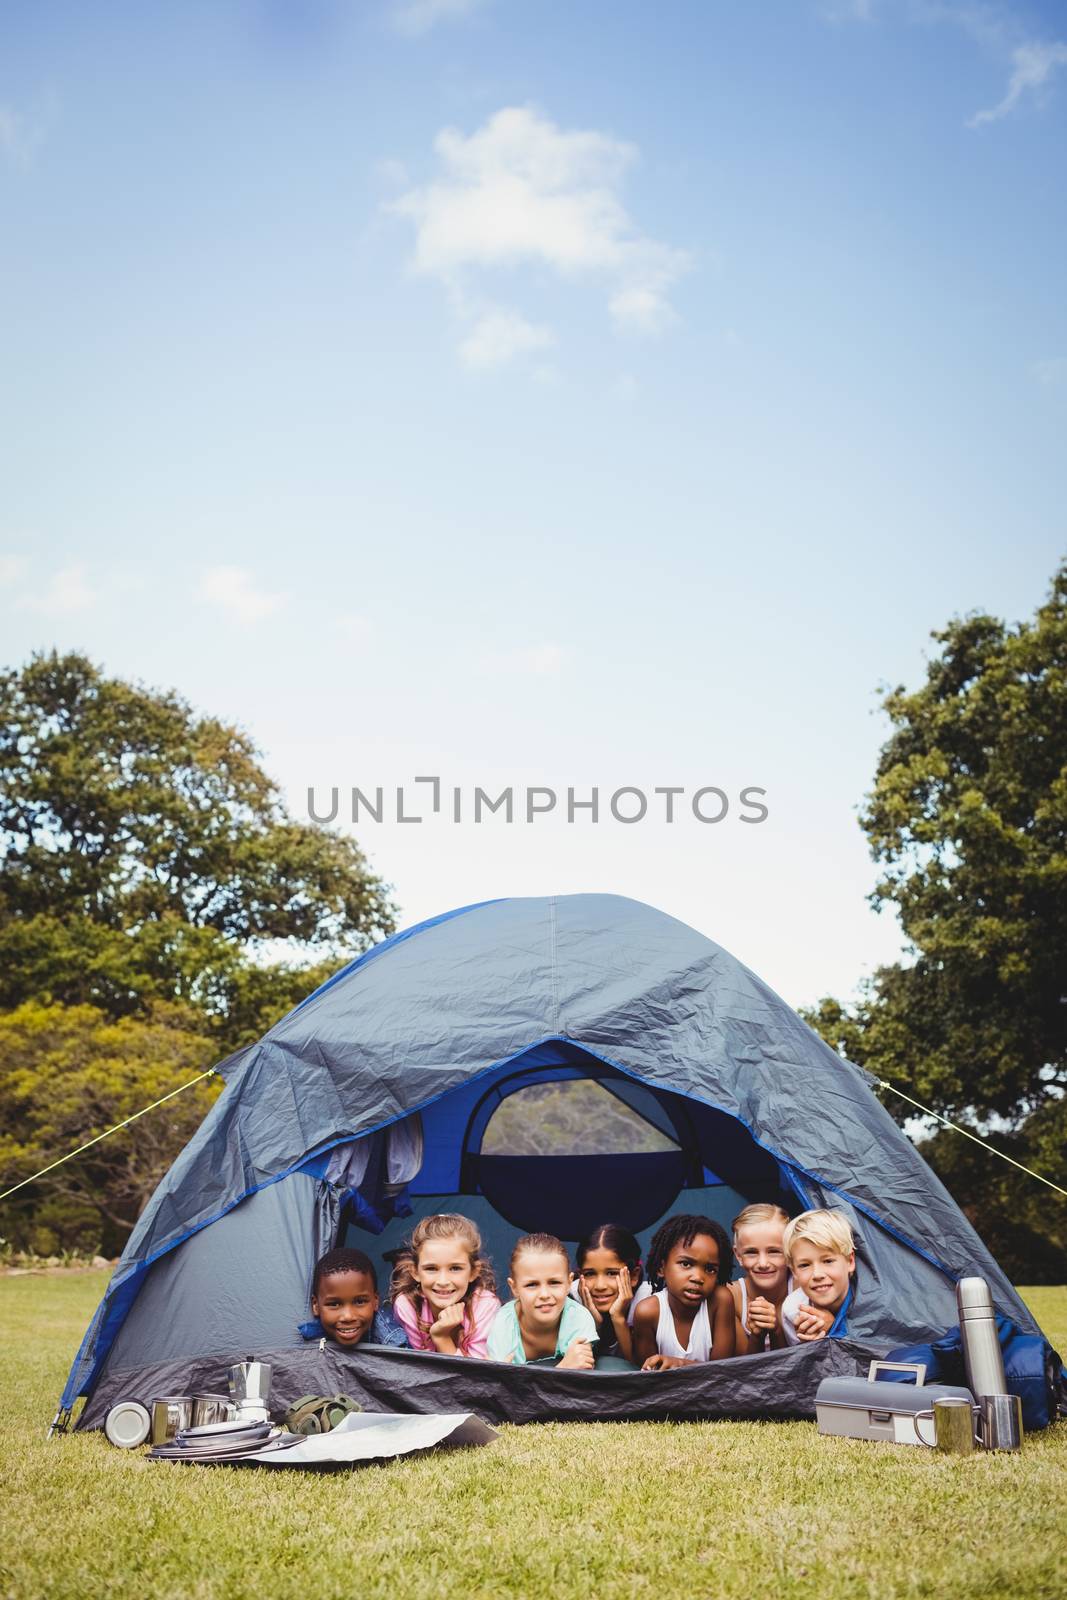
(1000,1422)
(209,1408)
(170,1413)
(952,1418)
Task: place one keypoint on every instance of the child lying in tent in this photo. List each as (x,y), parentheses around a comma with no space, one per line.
(691,1316)
(821,1252)
(442,1287)
(542,1322)
(345,1304)
(759,1250)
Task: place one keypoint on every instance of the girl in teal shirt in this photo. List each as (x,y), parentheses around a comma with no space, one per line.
(542,1322)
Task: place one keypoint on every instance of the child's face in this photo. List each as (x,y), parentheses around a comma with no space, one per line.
(601,1273)
(691,1271)
(822,1273)
(444,1271)
(345,1305)
(759,1250)
(540,1284)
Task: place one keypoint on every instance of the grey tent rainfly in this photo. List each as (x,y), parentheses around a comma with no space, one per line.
(367,1106)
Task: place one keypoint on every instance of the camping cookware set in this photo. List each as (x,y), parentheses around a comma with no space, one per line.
(242,1419)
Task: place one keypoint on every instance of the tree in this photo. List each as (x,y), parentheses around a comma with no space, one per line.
(145,854)
(968,818)
(149,880)
(66,1074)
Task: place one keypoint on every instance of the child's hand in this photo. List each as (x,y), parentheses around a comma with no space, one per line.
(658,1363)
(621,1303)
(451,1317)
(587,1299)
(579,1356)
(811,1323)
(762,1316)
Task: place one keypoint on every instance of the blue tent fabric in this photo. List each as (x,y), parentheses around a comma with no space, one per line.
(428,1021)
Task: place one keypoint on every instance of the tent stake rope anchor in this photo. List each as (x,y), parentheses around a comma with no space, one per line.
(210,1073)
(975,1139)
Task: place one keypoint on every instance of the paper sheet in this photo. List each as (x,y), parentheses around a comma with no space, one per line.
(378,1436)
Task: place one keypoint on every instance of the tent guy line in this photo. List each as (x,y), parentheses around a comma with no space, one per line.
(883,1083)
(975,1138)
(210,1073)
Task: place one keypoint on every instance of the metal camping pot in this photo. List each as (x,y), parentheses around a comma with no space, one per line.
(170,1413)
(953,1421)
(1000,1422)
(211,1408)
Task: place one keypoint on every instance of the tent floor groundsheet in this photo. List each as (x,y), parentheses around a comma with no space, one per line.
(777,1385)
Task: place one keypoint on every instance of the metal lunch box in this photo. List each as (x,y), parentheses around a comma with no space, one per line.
(858,1408)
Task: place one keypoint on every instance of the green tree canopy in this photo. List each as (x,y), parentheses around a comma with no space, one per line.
(968,820)
(145,854)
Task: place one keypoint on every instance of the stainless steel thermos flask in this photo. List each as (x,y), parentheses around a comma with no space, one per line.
(981,1347)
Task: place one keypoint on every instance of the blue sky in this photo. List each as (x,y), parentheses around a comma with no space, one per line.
(543,394)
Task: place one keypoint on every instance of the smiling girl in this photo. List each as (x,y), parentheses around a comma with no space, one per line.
(542,1322)
(758,1296)
(443,1286)
(691,1318)
(609,1271)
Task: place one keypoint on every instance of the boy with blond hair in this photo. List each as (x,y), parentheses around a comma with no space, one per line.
(821,1253)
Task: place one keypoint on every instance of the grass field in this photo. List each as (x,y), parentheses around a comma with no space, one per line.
(701,1509)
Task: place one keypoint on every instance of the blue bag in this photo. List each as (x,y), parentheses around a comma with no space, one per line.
(1032,1368)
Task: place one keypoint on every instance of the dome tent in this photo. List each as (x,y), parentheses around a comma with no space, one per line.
(368,1103)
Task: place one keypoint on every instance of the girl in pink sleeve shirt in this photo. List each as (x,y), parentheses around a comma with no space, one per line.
(442,1288)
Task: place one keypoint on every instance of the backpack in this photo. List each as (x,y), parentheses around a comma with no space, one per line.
(318,1413)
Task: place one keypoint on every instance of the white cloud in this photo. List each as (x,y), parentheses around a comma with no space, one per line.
(355,627)
(392,174)
(67,591)
(537,660)
(1051,372)
(233,590)
(22,133)
(521,191)
(498,335)
(849,11)
(11,569)
(1032,66)
(625,388)
(419,16)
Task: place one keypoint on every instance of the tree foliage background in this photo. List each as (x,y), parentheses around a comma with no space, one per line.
(158,909)
(968,821)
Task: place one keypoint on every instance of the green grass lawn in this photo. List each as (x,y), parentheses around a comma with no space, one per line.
(610,1510)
